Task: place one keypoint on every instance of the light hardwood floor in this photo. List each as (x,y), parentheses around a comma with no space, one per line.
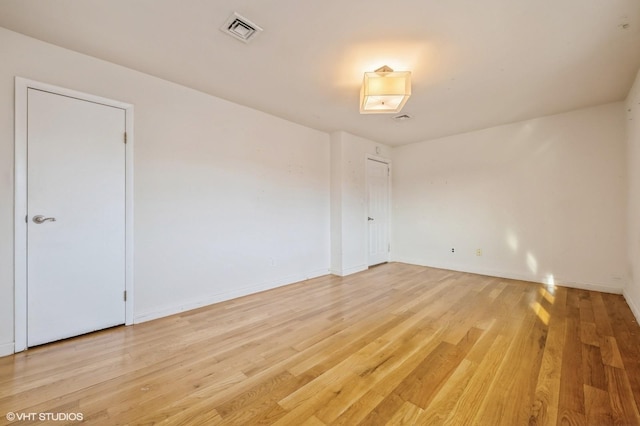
(397,344)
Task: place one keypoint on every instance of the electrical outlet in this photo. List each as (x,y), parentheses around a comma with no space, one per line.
(453,250)
(479,252)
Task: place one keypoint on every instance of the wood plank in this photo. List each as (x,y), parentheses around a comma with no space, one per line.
(469,401)
(517,376)
(444,401)
(597,406)
(408,414)
(384,411)
(359,409)
(627,334)
(593,367)
(625,410)
(601,316)
(435,371)
(571,403)
(544,410)
(610,352)
(589,334)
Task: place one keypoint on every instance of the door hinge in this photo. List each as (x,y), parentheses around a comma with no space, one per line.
(125,295)
(389,247)
(125,137)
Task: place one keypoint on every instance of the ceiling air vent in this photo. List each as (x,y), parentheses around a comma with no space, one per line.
(240,27)
(402,117)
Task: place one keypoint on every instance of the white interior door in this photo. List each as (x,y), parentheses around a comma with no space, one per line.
(76,183)
(378,212)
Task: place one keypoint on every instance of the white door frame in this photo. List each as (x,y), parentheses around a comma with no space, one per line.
(388,163)
(20,200)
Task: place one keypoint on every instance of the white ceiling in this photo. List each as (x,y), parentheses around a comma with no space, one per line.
(475,64)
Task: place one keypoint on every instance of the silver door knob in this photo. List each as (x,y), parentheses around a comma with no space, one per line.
(41,219)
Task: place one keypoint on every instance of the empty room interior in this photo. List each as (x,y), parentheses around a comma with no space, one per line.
(320,213)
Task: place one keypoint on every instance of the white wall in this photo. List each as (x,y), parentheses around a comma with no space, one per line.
(544,199)
(228,200)
(336,203)
(349,201)
(632,290)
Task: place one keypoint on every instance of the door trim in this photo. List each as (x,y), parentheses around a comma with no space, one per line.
(20,200)
(371,157)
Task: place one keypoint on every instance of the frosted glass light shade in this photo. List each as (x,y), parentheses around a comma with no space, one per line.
(384,91)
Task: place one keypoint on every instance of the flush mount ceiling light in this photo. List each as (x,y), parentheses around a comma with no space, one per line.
(384,91)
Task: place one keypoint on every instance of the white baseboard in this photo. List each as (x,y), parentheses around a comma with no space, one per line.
(7,349)
(224,296)
(349,271)
(590,287)
(634,308)
(516,276)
